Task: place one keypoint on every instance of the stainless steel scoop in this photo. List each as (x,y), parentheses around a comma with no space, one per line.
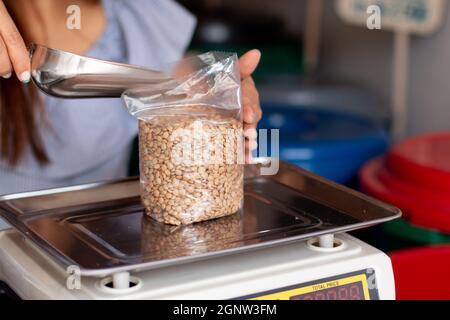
(67,75)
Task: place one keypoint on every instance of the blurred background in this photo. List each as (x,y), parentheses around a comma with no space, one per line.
(365,108)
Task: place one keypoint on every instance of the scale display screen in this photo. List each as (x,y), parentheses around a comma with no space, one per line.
(360,285)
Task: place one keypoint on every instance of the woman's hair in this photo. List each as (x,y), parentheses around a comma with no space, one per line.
(20,112)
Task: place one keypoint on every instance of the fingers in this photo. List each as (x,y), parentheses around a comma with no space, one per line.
(248,63)
(250,97)
(15,46)
(5,64)
(250,133)
(251,144)
(249,148)
(251,113)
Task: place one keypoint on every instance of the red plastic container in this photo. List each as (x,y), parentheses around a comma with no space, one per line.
(423,160)
(420,206)
(422,273)
(415,176)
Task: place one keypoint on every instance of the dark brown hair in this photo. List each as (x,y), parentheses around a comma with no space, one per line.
(21,114)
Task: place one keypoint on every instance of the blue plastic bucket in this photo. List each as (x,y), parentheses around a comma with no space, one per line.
(332,144)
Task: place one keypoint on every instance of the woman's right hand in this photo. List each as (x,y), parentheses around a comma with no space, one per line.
(13,52)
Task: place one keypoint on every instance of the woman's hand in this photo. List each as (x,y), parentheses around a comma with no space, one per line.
(13,52)
(250,100)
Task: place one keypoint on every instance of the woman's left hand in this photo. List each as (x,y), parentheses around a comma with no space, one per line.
(252,112)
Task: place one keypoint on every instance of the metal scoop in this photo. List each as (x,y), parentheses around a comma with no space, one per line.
(67,75)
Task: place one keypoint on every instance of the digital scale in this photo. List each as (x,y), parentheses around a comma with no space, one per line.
(94,242)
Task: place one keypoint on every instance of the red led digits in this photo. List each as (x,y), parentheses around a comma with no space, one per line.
(355,292)
(343,293)
(351,291)
(320,296)
(331,295)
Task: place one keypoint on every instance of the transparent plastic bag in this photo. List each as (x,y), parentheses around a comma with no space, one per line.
(191,143)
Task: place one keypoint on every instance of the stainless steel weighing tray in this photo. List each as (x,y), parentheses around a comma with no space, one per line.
(102,228)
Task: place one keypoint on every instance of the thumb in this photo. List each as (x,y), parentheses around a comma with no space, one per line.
(248,62)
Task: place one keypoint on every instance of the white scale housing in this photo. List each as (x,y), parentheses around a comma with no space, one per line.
(32,274)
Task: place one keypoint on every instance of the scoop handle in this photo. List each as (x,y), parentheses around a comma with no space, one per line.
(67,75)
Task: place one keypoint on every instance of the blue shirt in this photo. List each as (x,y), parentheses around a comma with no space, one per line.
(90,140)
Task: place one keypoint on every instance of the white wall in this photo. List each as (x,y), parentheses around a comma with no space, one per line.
(366,57)
(430,82)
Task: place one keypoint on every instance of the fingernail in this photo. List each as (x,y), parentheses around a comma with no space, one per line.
(253,145)
(7,76)
(251,133)
(25,77)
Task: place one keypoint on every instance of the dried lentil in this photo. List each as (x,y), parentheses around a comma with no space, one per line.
(192,190)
